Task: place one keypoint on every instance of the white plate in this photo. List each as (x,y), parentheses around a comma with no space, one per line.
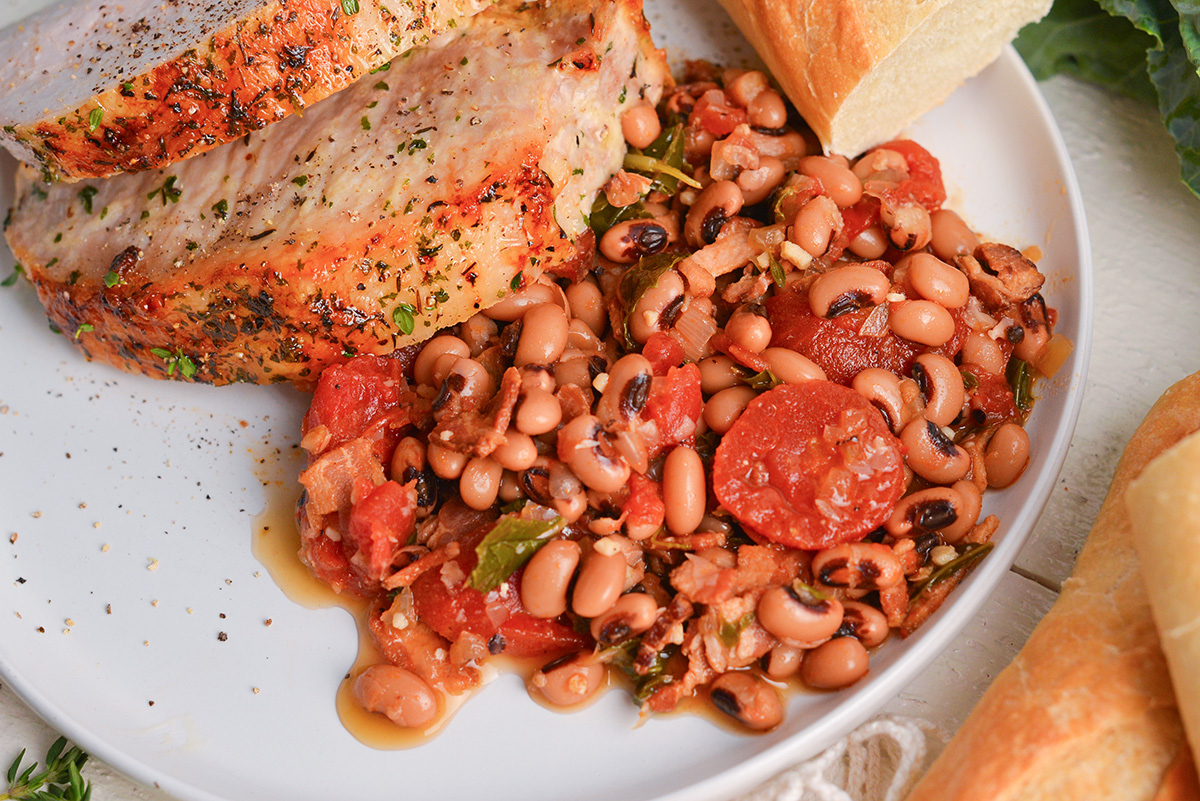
(139,497)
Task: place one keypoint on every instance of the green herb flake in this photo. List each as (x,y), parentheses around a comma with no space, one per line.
(85,196)
(621,97)
(350,6)
(18,271)
(642,277)
(382,68)
(731,631)
(300,180)
(507,547)
(968,555)
(777,273)
(515,283)
(1020,381)
(402,315)
(94,118)
(383,87)
(366,124)
(763,381)
(112,278)
(60,779)
(464,61)
(168,192)
(221,209)
(83,329)
(969,380)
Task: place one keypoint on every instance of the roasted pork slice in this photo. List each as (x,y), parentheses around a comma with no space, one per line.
(395,208)
(89,88)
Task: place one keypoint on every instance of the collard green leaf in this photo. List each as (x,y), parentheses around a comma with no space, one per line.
(1081,39)
(641,277)
(1174,75)
(507,547)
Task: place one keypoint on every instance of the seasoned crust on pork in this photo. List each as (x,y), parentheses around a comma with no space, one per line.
(398,207)
(92,87)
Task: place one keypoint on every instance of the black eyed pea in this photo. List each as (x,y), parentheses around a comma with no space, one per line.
(480,482)
(600,581)
(858,566)
(656,308)
(444,462)
(718,373)
(747,699)
(932,455)
(538,413)
(628,241)
(934,279)
(640,125)
(1006,455)
(847,289)
(742,88)
(835,664)
(751,331)
(631,615)
(841,184)
(864,623)
(941,384)
(400,695)
(791,367)
(951,236)
(543,335)
(816,225)
(799,617)
(583,445)
(757,184)
(723,409)
(627,389)
(871,243)
(924,511)
(569,680)
(683,490)
(782,661)
(514,306)
(434,349)
(983,351)
(882,388)
(971,505)
(587,304)
(714,206)
(908,226)
(921,321)
(547,576)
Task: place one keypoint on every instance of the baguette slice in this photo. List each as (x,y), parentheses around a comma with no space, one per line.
(1086,710)
(1164,506)
(859,71)
(89,88)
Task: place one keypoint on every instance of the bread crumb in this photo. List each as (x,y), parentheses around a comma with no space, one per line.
(145,642)
(83,504)
(35,514)
(267,622)
(12,538)
(69,622)
(154,603)
(256,690)
(108,609)
(105,548)
(96,524)
(153,565)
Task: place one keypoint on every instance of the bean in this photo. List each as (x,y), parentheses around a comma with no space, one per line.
(934,279)
(840,183)
(537,376)
(858,565)
(478,332)
(630,240)
(932,455)
(515,305)
(574,372)
(583,446)
(600,582)
(543,335)
(767,110)
(922,321)
(835,664)
(847,289)
(683,490)
(798,617)
(757,184)
(751,331)
(631,445)
(746,86)
(747,699)
(640,125)
(470,379)
(881,162)
(871,243)
(718,202)
(864,623)
(569,680)
(587,304)
(970,506)
(647,316)
(942,385)
(1037,330)
(908,225)
(401,696)
(480,482)
(445,463)
(547,576)
(538,413)
(510,487)
(580,337)
(723,409)
(951,236)
(981,350)
(882,388)
(627,390)
(791,367)
(1006,455)
(783,661)
(409,454)
(927,510)
(572,507)
(631,615)
(816,225)
(718,373)
(517,452)
(435,348)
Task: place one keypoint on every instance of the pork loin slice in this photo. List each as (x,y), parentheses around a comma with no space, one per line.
(89,88)
(395,208)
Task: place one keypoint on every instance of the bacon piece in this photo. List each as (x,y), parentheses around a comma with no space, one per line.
(662,633)
(408,643)
(477,432)
(329,481)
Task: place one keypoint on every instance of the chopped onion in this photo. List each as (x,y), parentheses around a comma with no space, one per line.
(1053,355)
(694,327)
(876,324)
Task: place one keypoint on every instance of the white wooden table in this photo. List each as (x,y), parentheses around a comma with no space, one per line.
(1145,235)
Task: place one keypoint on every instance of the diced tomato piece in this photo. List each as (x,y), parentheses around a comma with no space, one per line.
(380,524)
(329,563)
(858,218)
(810,466)
(351,397)
(644,507)
(663,351)
(450,607)
(717,117)
(675,404)
(992,396)
(924,184)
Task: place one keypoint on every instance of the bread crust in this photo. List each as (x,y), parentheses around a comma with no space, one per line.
(1086,710)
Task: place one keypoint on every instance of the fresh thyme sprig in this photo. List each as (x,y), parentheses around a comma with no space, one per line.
(61,779)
